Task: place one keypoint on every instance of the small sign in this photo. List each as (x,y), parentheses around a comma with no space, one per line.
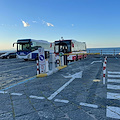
(61,54)
(42,68)
(41,57)
(41,60)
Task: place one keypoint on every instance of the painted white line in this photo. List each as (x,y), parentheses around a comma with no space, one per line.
(76,75)
(110,72)
(115,87)
(64,101)
(18,94)
(89,105)
(113,96)
(114,76)
(114,80)
(103,80)
(113,112)
(96,61)
(36,97)
(3,92)
(60,89)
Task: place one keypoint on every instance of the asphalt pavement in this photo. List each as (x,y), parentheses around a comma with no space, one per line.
(76,92)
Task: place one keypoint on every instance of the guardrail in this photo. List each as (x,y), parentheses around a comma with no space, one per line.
(105,51)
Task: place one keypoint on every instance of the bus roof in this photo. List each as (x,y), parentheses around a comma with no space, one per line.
(70,40)
(43,41)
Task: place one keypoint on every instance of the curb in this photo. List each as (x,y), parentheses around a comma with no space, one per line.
(51,72)
(61,67)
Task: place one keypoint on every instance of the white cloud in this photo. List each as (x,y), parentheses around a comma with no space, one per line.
(72,25)
(25,24)
(7,25)
(43,22)
(34,21)
(49,24)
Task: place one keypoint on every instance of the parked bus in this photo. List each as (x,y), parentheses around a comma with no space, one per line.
(27,49)
(72,47)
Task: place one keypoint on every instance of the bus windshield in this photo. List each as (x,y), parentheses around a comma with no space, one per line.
(23,47)
(63,46)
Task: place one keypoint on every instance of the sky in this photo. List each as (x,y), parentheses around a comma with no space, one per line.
(96,22)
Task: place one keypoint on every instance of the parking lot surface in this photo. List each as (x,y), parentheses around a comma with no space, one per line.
(76,92)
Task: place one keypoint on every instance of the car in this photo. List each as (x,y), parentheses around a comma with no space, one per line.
(8,55)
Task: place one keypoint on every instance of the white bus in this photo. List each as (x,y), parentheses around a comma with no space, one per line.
(70,46)
(27,49)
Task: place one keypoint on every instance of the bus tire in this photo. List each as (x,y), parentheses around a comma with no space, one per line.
(8,57)
(76,57)
(26,59)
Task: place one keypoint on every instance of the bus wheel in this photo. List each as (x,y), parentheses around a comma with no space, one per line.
(8,57)
(26,59)
(76,57)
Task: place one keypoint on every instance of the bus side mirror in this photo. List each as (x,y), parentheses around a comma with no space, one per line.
(50,45)
(14,44)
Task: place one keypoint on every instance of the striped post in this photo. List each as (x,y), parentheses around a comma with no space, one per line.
(105,59)
(37,67)
(58,62)
(104,69)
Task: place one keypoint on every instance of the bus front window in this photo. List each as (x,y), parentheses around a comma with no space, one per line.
(61,48)
(19,47)
(23,47)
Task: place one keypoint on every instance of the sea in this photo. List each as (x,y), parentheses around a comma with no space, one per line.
(114,50)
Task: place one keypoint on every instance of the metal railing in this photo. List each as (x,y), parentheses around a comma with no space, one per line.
(102,51)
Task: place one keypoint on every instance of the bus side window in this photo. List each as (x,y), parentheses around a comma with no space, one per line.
(32,48)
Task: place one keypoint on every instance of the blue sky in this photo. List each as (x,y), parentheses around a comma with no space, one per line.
(96,22)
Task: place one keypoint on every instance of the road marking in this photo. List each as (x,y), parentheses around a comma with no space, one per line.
(115,87)
(36,97)
(113,96)
(114,80)
(13,63)
(60,89)
(96,80)
(76,75)
(113,112)
(24,81)
(114,76)
(18,94)
(16,69)
(3,92)
(96,61)
(58,100)
(89,105)
(14,77)
(110,72)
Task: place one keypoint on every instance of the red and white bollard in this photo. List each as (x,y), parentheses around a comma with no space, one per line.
(58,62)
(104,69)
(105,60)
(37,67)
